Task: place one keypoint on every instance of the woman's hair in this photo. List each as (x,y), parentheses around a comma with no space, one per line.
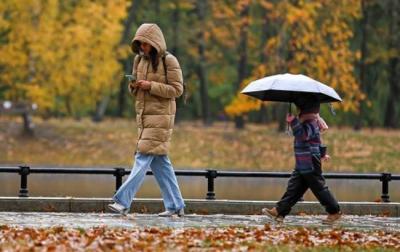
(153,54)
(154,58)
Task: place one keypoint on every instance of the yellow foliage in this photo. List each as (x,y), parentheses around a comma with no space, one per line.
(242,104)
(61,50)
(318,42)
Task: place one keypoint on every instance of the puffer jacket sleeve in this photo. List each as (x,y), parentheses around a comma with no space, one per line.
(174,87)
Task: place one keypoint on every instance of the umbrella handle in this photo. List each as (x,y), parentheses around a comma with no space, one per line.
(332,109)
(288,132)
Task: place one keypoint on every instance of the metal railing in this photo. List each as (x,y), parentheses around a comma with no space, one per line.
(210,175)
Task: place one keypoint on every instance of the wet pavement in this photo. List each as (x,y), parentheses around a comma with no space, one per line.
(87,220)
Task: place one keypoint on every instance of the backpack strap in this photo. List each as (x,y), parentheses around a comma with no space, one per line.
(165,66)
(184,95)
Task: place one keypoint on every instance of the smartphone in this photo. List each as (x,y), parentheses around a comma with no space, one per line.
(130,77)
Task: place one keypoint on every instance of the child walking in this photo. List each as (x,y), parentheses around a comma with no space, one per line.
(308,152)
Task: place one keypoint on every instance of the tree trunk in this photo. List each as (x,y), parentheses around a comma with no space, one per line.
(262,113)
(242,52)
(157,10)
(68,105)
(392,108)
(262,116)
(28,123)
(175,29)
(264,36)
(281,115)
(127,63)
(284,54)
(363,67)
(201,68)
(392,112)
(175,43)
(101,109)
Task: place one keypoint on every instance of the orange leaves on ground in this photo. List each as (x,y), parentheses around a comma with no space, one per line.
(237,238)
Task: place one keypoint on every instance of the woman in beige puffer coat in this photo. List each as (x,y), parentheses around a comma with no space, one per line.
(158,82)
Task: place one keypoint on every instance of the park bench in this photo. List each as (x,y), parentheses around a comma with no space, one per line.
(24,109)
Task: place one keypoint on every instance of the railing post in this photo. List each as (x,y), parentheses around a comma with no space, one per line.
(386,177)
(24,172)
(118,173)
(211,175)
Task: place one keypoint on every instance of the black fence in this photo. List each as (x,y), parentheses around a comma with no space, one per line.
(210,175)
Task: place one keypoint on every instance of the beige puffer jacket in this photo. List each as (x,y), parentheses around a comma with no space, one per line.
(155,108)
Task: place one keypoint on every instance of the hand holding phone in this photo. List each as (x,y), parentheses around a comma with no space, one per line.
(132,82)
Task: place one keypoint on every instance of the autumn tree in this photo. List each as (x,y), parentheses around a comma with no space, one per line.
(316,43)
(61,55)
(70,56)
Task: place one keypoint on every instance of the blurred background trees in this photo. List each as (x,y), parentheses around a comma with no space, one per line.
(70,57)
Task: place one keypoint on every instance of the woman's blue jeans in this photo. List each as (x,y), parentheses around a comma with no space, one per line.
(164,174)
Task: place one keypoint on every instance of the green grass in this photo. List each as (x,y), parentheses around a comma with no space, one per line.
(66,142)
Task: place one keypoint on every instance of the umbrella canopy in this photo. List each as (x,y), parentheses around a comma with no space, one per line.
(288,87)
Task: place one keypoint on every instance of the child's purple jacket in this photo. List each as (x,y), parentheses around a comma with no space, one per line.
(307,143)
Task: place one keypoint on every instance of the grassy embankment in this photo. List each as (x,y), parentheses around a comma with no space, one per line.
(66,142)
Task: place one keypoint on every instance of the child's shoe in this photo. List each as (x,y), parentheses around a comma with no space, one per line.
(273,214)
(332,218)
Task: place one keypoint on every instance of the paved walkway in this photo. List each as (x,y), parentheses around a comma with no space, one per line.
(87,220)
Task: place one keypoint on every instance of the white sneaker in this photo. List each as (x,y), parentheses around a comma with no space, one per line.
(180,212)
(169,213)
(118,208)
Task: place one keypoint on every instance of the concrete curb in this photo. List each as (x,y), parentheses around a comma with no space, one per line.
(198,206)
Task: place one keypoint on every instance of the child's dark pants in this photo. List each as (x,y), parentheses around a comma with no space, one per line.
(298,185)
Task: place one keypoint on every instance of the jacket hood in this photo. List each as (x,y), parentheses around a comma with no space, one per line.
(151,34)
